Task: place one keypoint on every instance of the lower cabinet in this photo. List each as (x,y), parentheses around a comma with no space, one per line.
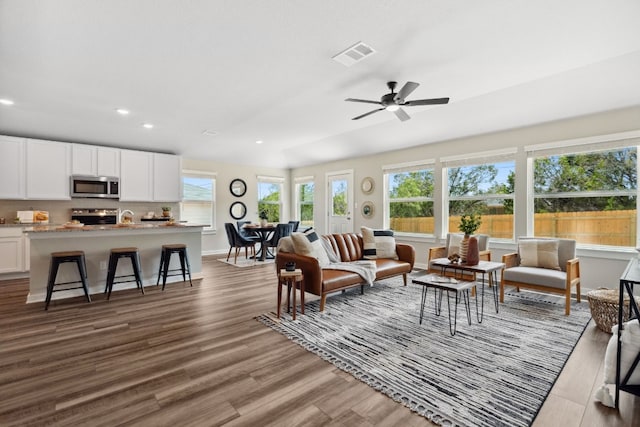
(14,257)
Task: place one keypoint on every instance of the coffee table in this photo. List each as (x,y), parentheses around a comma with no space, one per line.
(439,284)
(485,268)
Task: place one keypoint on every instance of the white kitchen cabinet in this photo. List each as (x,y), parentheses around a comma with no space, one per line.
(12,168)
(108,161)
(167,170)
(84,160)
(136,174)
(12,252)
(48,169)
(93,160)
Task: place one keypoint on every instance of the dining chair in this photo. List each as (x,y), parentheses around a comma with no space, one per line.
(294,225)
(282,230)
(247,234)
(237,242)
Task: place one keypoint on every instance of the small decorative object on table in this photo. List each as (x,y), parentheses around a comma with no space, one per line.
(468,225)
(166,211)
(263,218)
(290,266)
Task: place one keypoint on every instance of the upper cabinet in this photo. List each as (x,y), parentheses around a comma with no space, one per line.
(95,161)
(40,170)
(48,169)
(149,177)
(136,173)
(166,177)
(12,168)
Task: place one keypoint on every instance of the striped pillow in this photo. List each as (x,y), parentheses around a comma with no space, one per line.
(378,243)
(309,244)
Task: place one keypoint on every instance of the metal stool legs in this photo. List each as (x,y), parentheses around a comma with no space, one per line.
(116,254)
(165,260)
(58,258)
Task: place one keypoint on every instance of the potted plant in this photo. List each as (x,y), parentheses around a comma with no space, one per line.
(263,218)
(469,224)
(166,211)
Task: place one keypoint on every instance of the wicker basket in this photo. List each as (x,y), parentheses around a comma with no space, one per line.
(604,307)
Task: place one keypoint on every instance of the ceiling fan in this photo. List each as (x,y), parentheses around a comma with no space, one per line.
(393,101)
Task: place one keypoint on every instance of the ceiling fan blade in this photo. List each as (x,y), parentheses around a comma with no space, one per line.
(402,115)
(366,101)
(366,114)
(426,102)
(406,90)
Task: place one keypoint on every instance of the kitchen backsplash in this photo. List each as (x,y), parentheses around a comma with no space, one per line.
(60,210)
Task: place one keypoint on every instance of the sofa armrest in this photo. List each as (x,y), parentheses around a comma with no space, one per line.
(310,269)
(510,260)
(573,272)
(406,253)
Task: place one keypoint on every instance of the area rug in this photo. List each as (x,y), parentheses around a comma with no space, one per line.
(497,373)
(243,262)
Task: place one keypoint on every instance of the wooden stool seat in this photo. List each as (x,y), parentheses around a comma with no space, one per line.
(292,279)
(117,253)
(165,260)
(58,258)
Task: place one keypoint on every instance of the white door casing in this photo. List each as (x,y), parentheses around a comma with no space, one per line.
(340,201)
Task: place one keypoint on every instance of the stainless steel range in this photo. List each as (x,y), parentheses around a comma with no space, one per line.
(95,216)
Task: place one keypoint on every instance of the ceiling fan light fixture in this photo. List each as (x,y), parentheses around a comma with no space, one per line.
(393,107)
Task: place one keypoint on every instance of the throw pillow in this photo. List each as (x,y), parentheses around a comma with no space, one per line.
(285,244)
(309,244)
(378,243)
(454,244)
(539,253)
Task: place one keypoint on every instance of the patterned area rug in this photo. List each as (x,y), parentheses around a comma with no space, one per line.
(497,373)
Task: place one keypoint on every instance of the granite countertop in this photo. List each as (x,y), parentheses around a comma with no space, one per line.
(44,228)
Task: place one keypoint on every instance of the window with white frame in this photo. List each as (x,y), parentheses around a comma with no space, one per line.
(305,188)
(483,186)
(198,198)
(409,197)
(270,197)
(586,192)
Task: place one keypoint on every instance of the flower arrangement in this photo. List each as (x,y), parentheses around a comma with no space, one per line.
(469,223)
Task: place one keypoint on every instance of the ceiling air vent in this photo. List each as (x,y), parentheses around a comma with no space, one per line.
(355,53)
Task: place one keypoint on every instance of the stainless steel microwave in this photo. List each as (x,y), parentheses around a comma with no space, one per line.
(101,187)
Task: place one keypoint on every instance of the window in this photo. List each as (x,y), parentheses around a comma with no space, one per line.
(589,196)
(482,188)
(409,198)
(305,188)
(198,198)
(270,197)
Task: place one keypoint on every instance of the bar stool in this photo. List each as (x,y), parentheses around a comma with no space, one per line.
(58,258)
(116,254)
(165,259)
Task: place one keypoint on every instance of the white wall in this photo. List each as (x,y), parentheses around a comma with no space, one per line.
(216,242)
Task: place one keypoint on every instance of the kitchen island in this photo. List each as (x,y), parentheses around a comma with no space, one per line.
(96,241)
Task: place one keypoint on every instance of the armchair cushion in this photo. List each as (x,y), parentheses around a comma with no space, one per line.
(539,253)
(537,276)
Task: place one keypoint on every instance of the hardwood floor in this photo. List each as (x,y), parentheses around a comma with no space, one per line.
(196,356)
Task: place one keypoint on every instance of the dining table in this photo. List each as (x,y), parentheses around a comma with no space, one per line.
(263,233)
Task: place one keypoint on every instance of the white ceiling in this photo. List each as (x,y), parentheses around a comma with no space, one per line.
(262,70)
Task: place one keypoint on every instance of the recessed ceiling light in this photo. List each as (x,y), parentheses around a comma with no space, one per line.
(6,102)
(259,141)
(122,111)
(209,132)
(147,126)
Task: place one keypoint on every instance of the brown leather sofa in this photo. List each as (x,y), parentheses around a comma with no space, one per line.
(348,247)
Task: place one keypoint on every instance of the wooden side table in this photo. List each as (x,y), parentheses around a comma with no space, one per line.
(292,279)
